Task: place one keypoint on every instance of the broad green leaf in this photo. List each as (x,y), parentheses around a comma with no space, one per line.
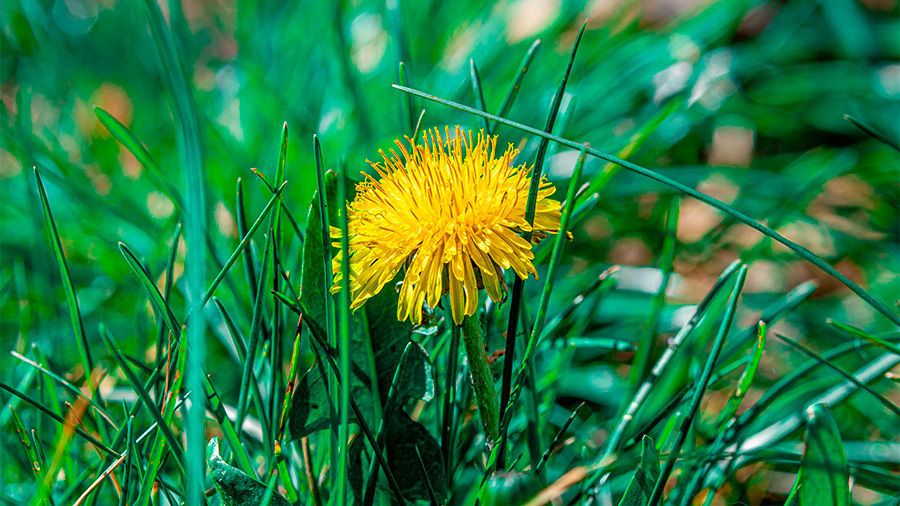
(234,487)
(404,437)
(824,479)
(641,485)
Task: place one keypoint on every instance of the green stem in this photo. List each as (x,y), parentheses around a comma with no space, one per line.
(485,395)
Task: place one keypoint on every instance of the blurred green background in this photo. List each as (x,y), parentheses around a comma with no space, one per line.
(749,96)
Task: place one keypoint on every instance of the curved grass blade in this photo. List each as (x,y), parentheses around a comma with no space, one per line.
(801,251)
(700,388)
(875,134)
(122,134)
(519,284)
(840,370)
(84,350)
(823,468)
(156,298)
(853,331)
(520,76)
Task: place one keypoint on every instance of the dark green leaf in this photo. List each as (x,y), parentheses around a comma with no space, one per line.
(234,487)
(641,485)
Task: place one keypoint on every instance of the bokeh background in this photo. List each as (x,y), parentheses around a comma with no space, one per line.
(749,97)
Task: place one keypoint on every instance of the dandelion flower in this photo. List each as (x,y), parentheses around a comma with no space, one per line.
(450,212)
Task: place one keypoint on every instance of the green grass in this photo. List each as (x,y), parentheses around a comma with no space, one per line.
(722,329)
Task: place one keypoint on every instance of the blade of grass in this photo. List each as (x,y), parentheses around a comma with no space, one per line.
(72,388)
(853,331)
(38,467)
(557,440)
(156,298)
(640,365)
(190,156)
(406,103)
(242,245)
(254,344)
(84,350)
(144,396)
(343,309)
(519,284)
(517,82)
(681,434)
(875,134)
(479,95)
(448,412)
(249,265)
(277,323)
(78,430)
(801,251)
(840,370)
(167,291)
(643,392)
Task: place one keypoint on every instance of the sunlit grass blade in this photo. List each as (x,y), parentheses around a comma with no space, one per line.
(875,134)
(517,82)
(700,388)
(746,379)
(479,94)
(69,386)
(757,225)
(840,370)
(81,341)
(519,283)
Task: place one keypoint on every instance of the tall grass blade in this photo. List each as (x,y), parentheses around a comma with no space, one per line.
(479,95)
(84,350)
(519,284)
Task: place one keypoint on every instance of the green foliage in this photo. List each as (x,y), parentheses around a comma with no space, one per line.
(704,332)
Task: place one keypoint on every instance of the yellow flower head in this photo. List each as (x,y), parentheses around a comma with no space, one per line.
(451,212)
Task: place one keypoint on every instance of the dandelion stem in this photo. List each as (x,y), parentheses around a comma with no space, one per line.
(485,395)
